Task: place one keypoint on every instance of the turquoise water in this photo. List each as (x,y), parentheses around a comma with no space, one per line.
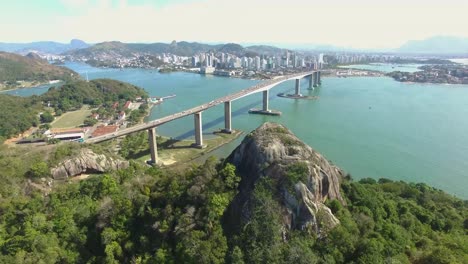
(30,91)
(371,127)
(385,67)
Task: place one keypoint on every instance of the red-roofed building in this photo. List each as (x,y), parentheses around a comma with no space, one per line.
(127,104)
(103,130)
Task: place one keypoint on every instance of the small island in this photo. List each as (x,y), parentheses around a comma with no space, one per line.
(441,73)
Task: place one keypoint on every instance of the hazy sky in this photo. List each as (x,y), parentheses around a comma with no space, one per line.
(349,23)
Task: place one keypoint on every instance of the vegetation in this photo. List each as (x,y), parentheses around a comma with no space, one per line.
(74,95)
(18,114)
(14,68)
(21,113)
(72,118)
(454,74)
(147,215)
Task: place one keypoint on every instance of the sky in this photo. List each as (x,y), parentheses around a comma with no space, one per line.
(377,24)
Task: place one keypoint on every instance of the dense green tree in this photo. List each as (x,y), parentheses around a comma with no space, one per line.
(153,215)
(47,117)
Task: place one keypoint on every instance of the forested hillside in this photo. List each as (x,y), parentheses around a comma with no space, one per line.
(151,215)
(14,67)
(18,114)
(21,113)
(73,95)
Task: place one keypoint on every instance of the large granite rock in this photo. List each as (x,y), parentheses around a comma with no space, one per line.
(273,151)
(87,162)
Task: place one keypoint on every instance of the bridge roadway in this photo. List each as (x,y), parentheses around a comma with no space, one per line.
(228,98)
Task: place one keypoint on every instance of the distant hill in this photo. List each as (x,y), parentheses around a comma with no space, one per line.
(436,45)
(21,113)
(125,49)
(265,49)
(30,68)
(48,47)
(182,48)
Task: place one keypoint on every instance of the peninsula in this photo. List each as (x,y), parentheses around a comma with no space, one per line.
(18,71)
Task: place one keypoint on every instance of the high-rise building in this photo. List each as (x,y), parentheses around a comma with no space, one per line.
(257,62)
(245,62)
(223,59)
(195,60)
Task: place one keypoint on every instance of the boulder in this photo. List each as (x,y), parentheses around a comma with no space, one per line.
(87,162)
(302,179)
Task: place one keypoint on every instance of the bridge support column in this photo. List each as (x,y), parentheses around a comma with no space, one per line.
(319,78)
(227,117)
(315,79)
(198,130)
(153,145)
(311,80)
(298,87)
(265,100)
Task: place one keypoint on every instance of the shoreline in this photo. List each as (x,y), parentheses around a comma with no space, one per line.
(30,87)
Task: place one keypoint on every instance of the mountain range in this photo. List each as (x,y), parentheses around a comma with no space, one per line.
(182,48)
(45,47)
(434,45)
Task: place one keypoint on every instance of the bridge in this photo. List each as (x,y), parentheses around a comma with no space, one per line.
(264,87)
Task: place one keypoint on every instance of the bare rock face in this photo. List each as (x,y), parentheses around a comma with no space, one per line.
(303,179)
(87,162)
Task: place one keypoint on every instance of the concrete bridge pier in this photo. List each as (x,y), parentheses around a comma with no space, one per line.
(315,79)
(265,108)
(298,87)
(265,100)
(227,118)
(311,84)
(198,130)
(153,145)
(319,78)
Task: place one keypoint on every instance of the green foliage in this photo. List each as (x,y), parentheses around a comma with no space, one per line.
(47,117)
(296,172)
(39,169)
(73,95)
(18,115)
(90,121)
(151,215)
(134,145)
(228,173)
(15,67)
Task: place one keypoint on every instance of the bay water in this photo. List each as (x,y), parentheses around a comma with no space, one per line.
(369,126)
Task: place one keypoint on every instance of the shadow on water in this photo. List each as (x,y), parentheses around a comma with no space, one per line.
(220,121)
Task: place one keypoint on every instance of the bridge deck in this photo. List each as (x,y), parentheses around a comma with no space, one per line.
(231,97)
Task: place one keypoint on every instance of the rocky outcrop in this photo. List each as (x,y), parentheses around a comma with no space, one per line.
(87,162)
(302,179)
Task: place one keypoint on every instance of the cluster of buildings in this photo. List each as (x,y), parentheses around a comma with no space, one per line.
(226,64)
(453,74)
(360,58)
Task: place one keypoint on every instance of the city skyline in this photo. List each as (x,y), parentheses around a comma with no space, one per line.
(362,24)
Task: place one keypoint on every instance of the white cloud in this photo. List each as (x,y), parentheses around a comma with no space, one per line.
(361,23)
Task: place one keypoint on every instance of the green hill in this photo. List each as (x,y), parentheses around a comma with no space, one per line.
(21,113)
(29,68)
(127,49)
(74,94)
(18,114)
(147,214)
(182,48)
